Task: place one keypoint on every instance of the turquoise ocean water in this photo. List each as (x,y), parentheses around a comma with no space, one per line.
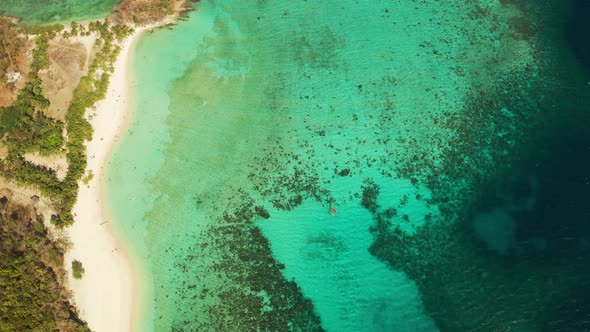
(304,165)
(252,105)
(383,165)
(56,11)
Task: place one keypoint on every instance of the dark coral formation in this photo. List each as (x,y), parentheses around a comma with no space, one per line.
(282,306)
(256,295)
(285,178)
(465,285)
(370,195)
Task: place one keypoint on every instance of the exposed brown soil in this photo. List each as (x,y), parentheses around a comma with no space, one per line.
(68,62)
(58,163)
(14,56)
(27,196)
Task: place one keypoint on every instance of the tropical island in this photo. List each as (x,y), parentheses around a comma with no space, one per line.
(280,165)
(52,77)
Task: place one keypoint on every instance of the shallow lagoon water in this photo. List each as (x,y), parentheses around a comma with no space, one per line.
(308,165)
(56,11)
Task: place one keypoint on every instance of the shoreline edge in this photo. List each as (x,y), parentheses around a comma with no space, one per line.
(108,296)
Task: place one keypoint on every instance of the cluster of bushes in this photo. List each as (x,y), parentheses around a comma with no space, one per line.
(29,130)
(40,56)
(143,12)
(28,174)
(42,29)
(75,30)
(88,177)
(23,111)
(77,269)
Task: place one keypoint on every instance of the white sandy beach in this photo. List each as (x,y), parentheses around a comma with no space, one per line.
(106,295)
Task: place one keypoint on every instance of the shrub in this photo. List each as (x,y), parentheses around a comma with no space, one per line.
(77,269)
(88,177)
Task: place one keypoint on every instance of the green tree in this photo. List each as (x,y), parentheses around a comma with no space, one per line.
(77,269)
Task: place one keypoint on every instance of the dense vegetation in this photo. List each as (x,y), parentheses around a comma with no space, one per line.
(26,129)
(31,266)
(42,28)
(144,12)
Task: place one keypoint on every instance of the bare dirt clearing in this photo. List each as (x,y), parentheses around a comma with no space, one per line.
(68,62)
